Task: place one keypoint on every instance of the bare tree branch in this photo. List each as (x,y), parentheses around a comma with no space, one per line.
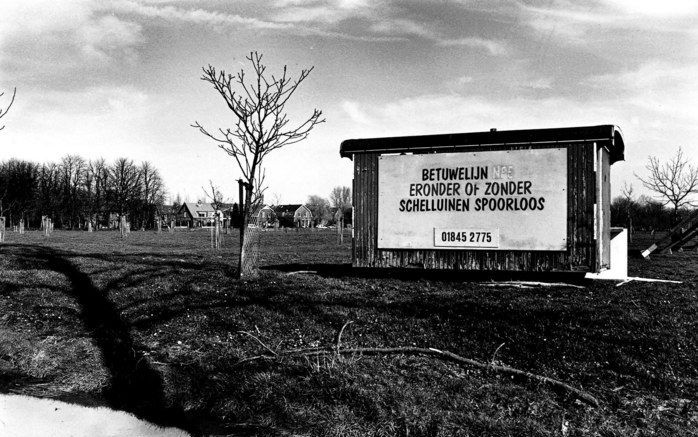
(3,112)
(423,351)
(215,196)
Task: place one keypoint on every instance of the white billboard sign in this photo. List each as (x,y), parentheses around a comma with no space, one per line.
(497,200)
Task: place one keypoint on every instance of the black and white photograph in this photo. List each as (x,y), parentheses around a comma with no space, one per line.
(328,218)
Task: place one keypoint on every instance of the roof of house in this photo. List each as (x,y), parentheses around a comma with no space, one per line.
(194,208)
(306,208)
(608,136)
(285,209)
(262,208)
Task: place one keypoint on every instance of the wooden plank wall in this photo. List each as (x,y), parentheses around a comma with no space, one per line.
(606,206)
(581,244)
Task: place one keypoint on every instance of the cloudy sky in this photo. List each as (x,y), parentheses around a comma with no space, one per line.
(110,78)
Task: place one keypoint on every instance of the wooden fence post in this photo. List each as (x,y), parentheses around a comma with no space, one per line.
(47,224)
(218,231)
(124,227)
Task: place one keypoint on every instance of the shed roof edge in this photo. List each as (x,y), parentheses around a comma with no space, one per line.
(610,136)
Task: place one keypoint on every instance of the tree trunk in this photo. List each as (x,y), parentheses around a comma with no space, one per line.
(247,266)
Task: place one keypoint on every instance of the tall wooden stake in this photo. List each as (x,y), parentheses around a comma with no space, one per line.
(124,227)
(241,208)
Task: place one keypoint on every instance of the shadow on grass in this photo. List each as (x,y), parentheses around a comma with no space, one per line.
(134,385)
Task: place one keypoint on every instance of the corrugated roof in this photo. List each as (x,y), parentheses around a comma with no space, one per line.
(608,136)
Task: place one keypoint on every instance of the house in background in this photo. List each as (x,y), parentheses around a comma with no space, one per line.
(167,214)
(293,215)
(195,215)
(266,217)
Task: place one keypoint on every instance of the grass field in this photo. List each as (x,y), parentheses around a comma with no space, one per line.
(155,324)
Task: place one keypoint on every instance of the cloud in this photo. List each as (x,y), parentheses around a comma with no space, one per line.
(98,104)
(40,42)
(199,16)
(359,20)
(495,48)
(304,11)
(353,110)
(309,19)
(101,37)
(654,8)
(574,22)
(401,26)
(670,90)
(96,121)
(543,83)
(39,16)
(446,113)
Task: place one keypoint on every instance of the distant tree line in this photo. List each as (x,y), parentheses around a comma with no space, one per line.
(324,210)
(645,214)
(76,191)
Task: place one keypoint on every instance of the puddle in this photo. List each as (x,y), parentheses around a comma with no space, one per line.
(24,416)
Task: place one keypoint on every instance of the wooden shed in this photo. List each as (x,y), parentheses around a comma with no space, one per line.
(519,200)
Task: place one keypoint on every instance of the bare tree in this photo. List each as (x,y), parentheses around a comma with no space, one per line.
(320,207)
(152,192)
(3,112)
(88,189)
(262,124)
(101,173)
(627,193)
(215,195)
(49,189)
(340,197)
(72,168)
(673,181)
(124,185)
